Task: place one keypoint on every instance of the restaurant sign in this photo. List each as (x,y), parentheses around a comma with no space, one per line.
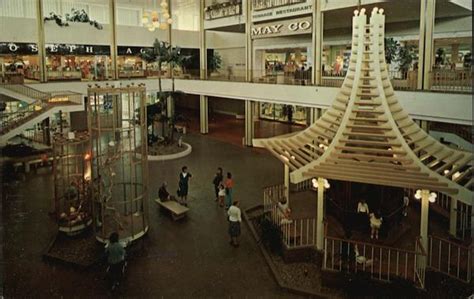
(283,11)
(53,49)
(282,28)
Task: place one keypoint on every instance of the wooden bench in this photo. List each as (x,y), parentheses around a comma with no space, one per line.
(177,211)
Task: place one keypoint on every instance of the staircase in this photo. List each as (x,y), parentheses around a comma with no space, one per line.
(38,109)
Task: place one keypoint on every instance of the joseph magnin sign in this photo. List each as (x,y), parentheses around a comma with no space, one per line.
(282,28)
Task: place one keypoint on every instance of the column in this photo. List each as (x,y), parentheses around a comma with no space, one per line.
(41,40)
(113,44)
(426,43)
(454,53)
(169,106)
(425,194)
(202,44)
(320,216)
(170,68)
(313,115)
(287,183)
(317,36)
(453,217)
(204,111)
(249,124)
(248,41)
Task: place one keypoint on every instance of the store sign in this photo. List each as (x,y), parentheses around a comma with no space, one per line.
(283,12)
(132,51)
(283,28)
(72,49)
(18,48)
(53,49)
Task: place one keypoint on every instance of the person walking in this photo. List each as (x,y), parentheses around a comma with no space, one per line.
(235,218)
(217,181)
(183,184)
(229,186)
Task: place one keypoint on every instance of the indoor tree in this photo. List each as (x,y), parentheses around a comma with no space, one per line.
(163,53)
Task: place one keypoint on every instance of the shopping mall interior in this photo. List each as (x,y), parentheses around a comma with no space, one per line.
(236,148)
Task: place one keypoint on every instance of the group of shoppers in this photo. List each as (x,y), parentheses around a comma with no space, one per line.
(223,196)
(223,189)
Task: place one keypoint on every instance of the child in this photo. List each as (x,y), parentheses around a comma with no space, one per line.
(221,194)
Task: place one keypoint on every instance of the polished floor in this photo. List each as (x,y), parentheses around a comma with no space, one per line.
(186,259)
(230,129)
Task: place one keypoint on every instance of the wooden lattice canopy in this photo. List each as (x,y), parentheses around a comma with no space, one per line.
(367,137)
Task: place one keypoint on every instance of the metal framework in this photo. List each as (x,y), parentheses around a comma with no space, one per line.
(72,193)
(117,122)
(367,137)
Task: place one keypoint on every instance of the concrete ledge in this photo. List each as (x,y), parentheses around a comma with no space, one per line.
(268,259)
(182,154)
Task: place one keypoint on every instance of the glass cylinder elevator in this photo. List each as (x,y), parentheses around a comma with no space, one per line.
(117,122)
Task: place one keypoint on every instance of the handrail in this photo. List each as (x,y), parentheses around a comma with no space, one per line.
(471,246)
(24,114)
(420,245)
(375,245)
(27,91)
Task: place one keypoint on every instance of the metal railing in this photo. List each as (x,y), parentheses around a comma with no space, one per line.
(450,258)
(272,195)
(12,120)
(27,91)
(451,80)
(380,262)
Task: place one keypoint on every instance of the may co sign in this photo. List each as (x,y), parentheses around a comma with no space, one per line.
(282,28)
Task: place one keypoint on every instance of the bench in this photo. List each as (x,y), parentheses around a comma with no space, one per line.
(177,211)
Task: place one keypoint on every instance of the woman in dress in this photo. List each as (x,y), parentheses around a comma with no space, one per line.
(229,185)
(183,184)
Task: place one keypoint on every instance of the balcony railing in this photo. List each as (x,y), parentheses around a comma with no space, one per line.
(27,91)
(223,10)
(451,80)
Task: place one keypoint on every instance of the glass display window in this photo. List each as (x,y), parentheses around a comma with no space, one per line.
(19,66)
(283,113)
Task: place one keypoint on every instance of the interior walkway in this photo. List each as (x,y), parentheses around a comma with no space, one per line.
(229,129)
(187,259)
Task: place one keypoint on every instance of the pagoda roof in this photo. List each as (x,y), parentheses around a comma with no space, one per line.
(366,136)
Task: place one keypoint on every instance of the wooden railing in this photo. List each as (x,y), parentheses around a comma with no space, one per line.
(304,185)
(450,258)
(380,262)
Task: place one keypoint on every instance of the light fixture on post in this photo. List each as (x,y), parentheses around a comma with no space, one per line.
(431,198)
(157,19)
(315,183)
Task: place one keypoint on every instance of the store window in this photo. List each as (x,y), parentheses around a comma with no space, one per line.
(283,113)
(77,62)
(284,66)
(19,62)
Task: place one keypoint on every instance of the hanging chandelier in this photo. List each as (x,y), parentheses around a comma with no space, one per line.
(157,19)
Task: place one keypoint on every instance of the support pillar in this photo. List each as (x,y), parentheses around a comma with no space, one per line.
(113,44)
(204,115)
(320,216)
(169,106)
(249,124)
(453,217)
(170,67)
(426,43)
(425,194)
(287,183)
(248,42)
(41,41)
(202,44)
(313,115)
(316,75)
